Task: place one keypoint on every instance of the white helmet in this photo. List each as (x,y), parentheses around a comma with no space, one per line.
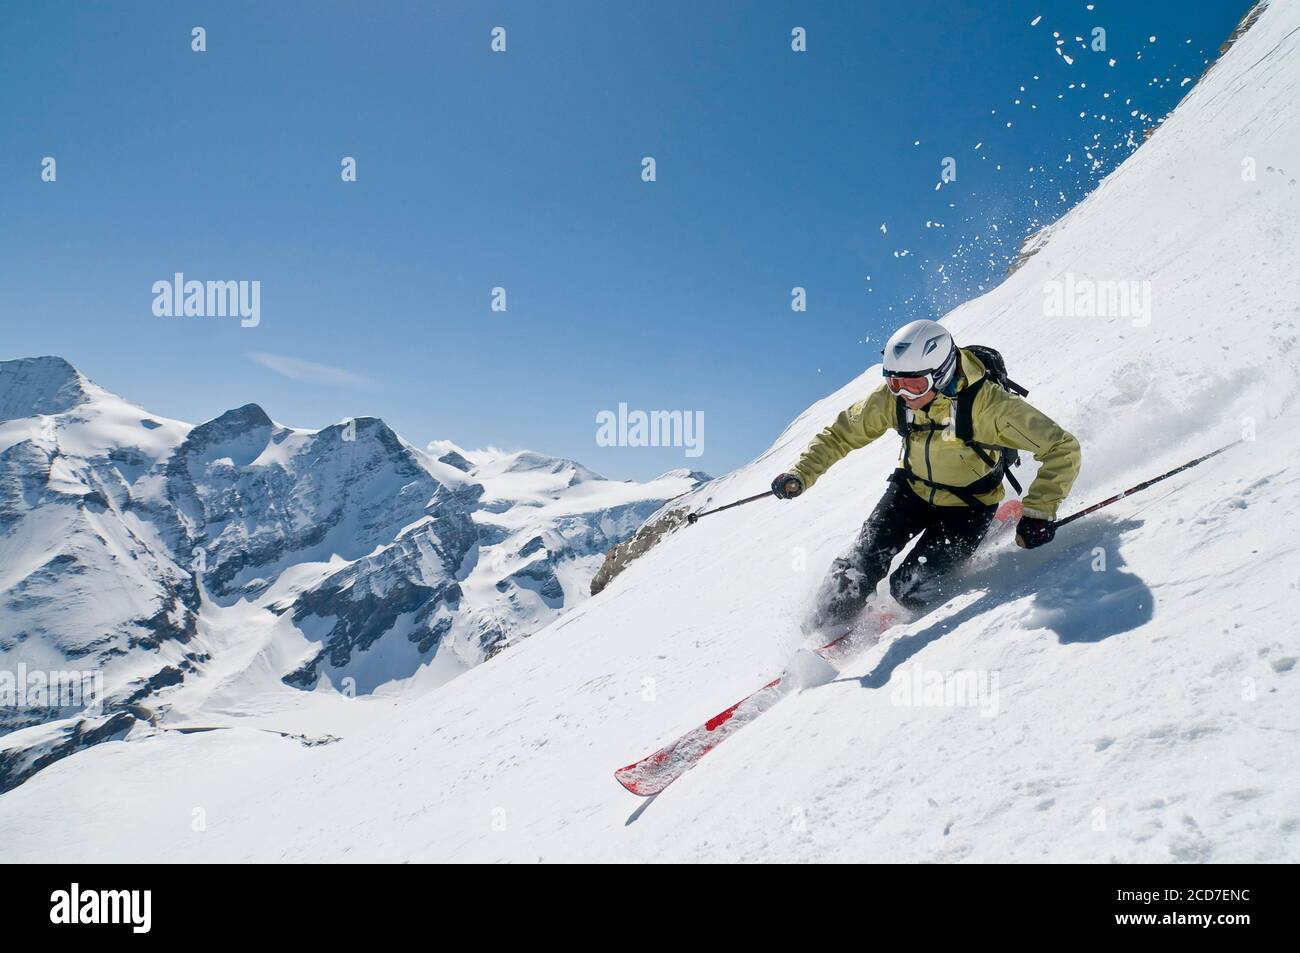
(922,349)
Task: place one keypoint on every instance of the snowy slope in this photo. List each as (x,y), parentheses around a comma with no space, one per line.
(1141,672)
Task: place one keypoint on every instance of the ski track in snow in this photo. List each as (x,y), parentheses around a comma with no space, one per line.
(1146,712)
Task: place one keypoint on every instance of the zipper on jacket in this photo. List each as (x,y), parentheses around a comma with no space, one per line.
(929,471)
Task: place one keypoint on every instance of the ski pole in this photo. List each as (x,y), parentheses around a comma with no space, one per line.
(1142,486)
(692,517)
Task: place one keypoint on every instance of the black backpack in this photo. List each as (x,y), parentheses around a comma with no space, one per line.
(996,373)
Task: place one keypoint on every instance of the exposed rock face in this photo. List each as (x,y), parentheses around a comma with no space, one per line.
(646,538)
(539,576)
(1029,247)
(490,564)
(252,495)
(454,459)
(414,578)
(1247,21)
(39,385)
(19,762)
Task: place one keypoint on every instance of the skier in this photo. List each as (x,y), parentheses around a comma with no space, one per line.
(961,425)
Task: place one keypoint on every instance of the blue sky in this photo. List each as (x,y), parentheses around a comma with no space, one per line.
(522,169)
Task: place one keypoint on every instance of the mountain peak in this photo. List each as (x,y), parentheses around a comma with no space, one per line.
(240,433)
(249,415)
(457,460)
(698,477)
(39,385)
(525,461)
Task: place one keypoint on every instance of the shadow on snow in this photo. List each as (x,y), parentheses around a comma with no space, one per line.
(1078,603)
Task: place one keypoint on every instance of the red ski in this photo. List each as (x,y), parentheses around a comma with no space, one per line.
(655,772)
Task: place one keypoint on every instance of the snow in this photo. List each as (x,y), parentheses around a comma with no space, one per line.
(1134,683)
(103,508)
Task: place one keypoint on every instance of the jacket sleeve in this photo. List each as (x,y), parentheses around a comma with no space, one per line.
(853,428)
(1016,423)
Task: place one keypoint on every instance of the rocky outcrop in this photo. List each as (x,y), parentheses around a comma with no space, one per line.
(646,538)
(414,578)
(18,762)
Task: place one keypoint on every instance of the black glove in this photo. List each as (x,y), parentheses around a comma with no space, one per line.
(1031,532)
(787,486)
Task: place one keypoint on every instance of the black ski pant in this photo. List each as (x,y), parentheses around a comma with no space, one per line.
(949,537)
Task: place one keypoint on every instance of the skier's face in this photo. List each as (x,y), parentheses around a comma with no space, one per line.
(919,403)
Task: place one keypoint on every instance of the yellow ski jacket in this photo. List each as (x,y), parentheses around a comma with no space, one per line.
(999,418)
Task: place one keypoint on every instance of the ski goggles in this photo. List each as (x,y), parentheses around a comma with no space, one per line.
(910,386)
